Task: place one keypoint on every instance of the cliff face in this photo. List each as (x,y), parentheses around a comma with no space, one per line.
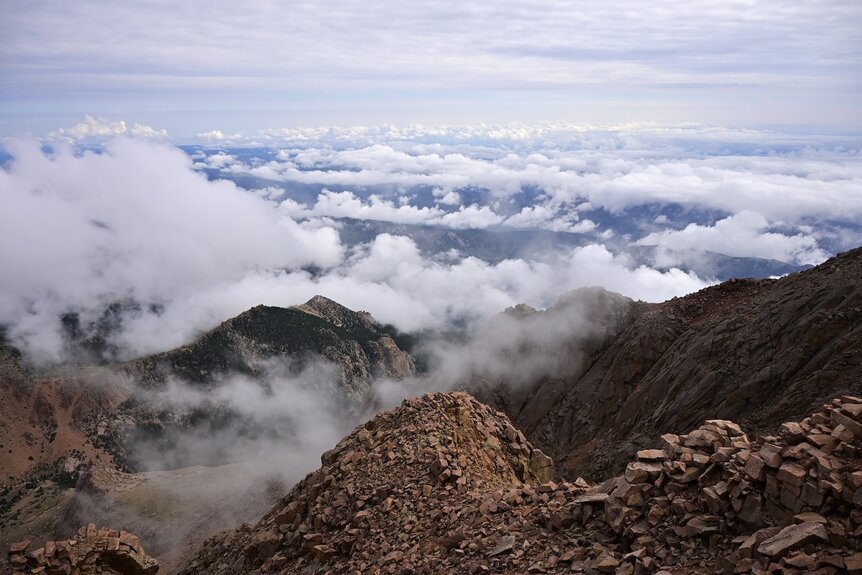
(755,351)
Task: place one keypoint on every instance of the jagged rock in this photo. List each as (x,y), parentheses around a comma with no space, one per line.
(506,543)
(107,551)
(793,537)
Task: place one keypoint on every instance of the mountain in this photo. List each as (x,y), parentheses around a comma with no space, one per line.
(755,351)
(472,495)
(319,328)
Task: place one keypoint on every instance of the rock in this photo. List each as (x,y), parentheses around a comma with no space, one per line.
(793,537)
(641,471)
(791,473)
(651,455)
(680,513)
(755,467)
(853,564)
(506,543)
(19,546)
(91,551)
(606,563)
(541,466)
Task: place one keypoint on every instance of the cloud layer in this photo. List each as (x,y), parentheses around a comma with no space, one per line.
(769,191)
(138,222)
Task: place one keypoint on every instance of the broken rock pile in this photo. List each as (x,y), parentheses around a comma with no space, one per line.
(444,484)
(93,551)
(780,504)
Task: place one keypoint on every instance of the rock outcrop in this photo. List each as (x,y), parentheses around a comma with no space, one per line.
(444,484)
(92,551)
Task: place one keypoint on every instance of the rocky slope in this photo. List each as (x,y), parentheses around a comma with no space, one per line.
(756,351)
(444,484)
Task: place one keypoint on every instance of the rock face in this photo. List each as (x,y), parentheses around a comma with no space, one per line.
(756,351)
(107,551)
(444,484)
(354,341)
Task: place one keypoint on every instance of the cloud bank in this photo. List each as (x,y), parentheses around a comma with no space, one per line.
(138,222)
(774,192)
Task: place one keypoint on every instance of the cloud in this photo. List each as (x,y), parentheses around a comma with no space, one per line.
(744,234)
(347,205)
(134,221)
(280,421)
(550,218)
(138,221)
(99,129)
(581,179)
(784,178)
(212,135)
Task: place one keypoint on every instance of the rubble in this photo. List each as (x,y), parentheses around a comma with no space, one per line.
(445,484)
(92,551)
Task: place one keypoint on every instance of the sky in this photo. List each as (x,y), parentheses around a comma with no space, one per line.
(193,67)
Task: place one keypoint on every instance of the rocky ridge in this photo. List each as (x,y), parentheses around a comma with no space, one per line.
(93,551)
(758,352)
(445,484)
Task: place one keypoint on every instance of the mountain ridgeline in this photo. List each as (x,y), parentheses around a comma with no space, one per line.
(756,351)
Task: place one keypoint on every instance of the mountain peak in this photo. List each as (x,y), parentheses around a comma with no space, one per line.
(335,313)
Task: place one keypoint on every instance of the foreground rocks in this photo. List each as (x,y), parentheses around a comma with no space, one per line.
(92,551)
(444,484)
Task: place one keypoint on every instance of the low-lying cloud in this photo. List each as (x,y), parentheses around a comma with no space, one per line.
(138,221)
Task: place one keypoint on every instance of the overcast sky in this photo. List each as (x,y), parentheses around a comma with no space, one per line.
(193,66)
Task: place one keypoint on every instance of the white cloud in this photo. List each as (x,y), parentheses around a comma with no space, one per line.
(138,221)
(447,197)
(212,135)
(744,234)
(784,178)
(135,221)
(99,129)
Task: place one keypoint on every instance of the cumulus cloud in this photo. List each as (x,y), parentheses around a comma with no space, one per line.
(743,234)
(348,205)
(569,178)
(783,177)
(135,221)
(99,129)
